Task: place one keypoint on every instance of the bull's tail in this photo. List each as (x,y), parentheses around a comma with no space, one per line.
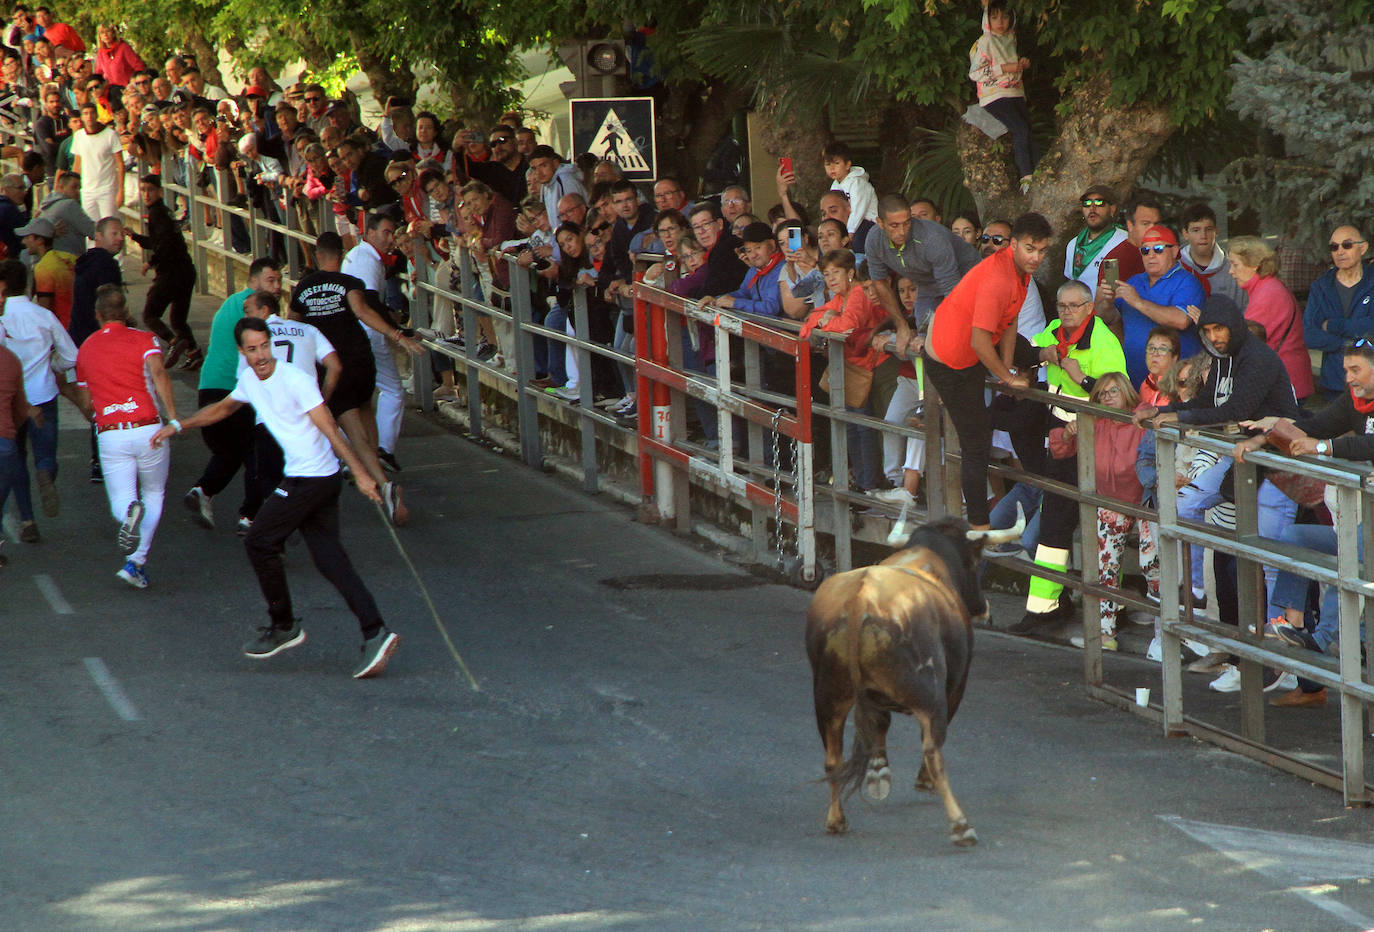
(867,716)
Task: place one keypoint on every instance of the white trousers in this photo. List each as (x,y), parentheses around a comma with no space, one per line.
(98,205)
(134,469)
(391,397)
(905,400)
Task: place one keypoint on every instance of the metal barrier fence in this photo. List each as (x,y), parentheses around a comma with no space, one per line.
(780,484)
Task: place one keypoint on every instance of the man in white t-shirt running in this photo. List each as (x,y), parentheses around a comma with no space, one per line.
(289,402)
(98,157)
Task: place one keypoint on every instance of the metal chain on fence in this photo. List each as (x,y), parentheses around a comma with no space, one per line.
(779,526)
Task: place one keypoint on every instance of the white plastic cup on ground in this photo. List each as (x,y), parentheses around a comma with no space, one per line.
(1142,695)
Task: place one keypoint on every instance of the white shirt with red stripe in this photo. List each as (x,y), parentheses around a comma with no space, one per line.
(112,364)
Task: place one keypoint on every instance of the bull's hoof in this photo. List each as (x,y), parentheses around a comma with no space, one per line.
(839,827)
(923,782)
(878,781)
(963,835)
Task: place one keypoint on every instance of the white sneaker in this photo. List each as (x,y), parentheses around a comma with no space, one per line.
(897,496)
(1228,682)
(1155,651)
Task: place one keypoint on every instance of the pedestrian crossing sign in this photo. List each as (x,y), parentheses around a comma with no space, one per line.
(618,129)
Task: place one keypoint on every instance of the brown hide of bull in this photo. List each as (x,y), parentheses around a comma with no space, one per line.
(890,638)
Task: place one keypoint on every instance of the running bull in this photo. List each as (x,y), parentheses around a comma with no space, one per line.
(897,637)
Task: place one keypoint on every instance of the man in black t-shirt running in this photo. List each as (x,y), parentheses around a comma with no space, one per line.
(334,303)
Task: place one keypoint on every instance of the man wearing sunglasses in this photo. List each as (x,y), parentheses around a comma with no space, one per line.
(1340,306)
(505,171)
(1160,295)
(316,115)
(996,237)
(1099,236)
(1142,212)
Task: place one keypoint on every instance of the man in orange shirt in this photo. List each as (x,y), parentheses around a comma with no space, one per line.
(972,335)
(53,273)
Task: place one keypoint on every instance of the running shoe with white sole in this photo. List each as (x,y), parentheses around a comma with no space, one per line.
(1285,682)
(1228,682)
(129,538)
(133,574)
(272,641)
(198,503)
(377,650)
(392,502)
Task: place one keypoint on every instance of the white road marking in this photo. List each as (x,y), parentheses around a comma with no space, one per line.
(48,587)
(1302,863)
(111,688)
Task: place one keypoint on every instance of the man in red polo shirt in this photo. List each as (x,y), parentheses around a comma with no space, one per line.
(114,366)
(972,335)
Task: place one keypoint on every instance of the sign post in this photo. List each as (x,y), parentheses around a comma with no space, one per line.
(618,129)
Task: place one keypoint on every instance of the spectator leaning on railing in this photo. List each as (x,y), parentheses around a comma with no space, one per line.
(1344,428)
(1077,348)
(1247,381)
(973,336)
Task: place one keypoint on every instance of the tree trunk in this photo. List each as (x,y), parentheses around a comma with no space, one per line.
(800,138)
(207,55)
(1098,143)
(692,119)
(386,77)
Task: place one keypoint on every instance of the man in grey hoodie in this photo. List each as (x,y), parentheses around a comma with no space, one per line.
(63,208)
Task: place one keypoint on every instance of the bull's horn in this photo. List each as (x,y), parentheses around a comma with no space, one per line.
(992,538)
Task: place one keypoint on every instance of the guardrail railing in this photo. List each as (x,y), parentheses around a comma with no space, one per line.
(780,490)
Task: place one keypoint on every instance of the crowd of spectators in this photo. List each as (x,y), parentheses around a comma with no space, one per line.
(1153,316)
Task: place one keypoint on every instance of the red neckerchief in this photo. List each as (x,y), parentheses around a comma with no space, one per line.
(772,264)
(1151,385)
(1068,342)
(1361,405)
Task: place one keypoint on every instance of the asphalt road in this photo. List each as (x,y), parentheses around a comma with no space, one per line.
(641,754)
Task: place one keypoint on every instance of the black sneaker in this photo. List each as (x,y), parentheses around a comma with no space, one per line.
(272,641)
(485,351)
(377,650)
(198,504)
(1032,621)
(1298,637)
(388,460)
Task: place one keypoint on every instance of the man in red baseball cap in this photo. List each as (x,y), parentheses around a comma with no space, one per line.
(1161,294)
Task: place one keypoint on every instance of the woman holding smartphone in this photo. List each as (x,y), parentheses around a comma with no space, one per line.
(800,284)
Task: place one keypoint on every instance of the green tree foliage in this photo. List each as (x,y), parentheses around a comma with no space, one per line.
(467,45)
(1311,86)
(819,51)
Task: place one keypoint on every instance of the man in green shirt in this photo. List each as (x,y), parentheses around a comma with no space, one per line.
(231,440)
(1100,235)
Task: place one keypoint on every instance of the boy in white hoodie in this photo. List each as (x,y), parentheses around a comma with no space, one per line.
(852,181)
